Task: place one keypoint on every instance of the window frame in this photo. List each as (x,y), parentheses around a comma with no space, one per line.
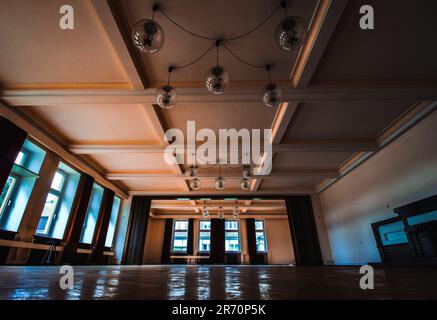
(264,236)
(239,236)
(11,194)
(179,230)
(198,236)
(60,195)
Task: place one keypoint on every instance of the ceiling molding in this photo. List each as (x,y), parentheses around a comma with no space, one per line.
(280,175)
(408,120)
(319,94)
(236,193)
(329,145)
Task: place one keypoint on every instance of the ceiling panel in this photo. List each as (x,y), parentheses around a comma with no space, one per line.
(327,160)
(39,51)
(123,162)
(217,116)
(99,123)
(344,120)
(400,46)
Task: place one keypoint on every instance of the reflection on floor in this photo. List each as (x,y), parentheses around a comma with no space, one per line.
(215,282)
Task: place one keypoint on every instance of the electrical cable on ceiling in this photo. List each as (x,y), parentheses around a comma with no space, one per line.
(194,34)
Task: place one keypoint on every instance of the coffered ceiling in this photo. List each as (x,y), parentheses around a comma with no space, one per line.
(348,92)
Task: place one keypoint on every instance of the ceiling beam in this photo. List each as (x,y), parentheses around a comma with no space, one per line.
(329,145)
(285,175)
(311,94)
(115,38)
(235,193)
(326,17)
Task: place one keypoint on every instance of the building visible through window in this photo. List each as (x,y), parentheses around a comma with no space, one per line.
(204,236)
(232,236)
(180,236)
(260,236)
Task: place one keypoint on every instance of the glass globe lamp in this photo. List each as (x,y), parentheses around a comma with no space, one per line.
(290,33)
(217,80)
(195,184)
(272,95)
(220,183)
(148,36)
(166,97)
(244,184)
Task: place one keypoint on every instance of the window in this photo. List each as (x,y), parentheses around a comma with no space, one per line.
(92,214)
(19,185)
(58,203)
(52,203)
(180,236)
(260,236)
(204,236)
(5,197)
(112,222)
(232,236)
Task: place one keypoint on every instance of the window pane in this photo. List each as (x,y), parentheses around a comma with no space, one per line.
(259,225)
(204,241)
(180,239)
(112,222)
(92,215)
(232,243)
(205,225)
(260,241)
(6,194)
(231,225)
(47,214)
(58,181)
(20,158)
(181,225)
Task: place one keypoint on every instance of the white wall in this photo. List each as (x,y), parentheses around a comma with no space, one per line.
(279,243)
(403,172)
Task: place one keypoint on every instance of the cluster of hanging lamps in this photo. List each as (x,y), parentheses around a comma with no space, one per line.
(148,37)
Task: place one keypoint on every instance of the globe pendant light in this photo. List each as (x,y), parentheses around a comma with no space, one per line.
(166,96)
(236,211)
(195,184)
(221,213)
(220,182)
(244,184)
(147,35)
(217,78)
(271,95)
(205,212)
(290,33)
(247,171)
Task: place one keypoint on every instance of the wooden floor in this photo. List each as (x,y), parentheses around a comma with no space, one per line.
(215,282)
